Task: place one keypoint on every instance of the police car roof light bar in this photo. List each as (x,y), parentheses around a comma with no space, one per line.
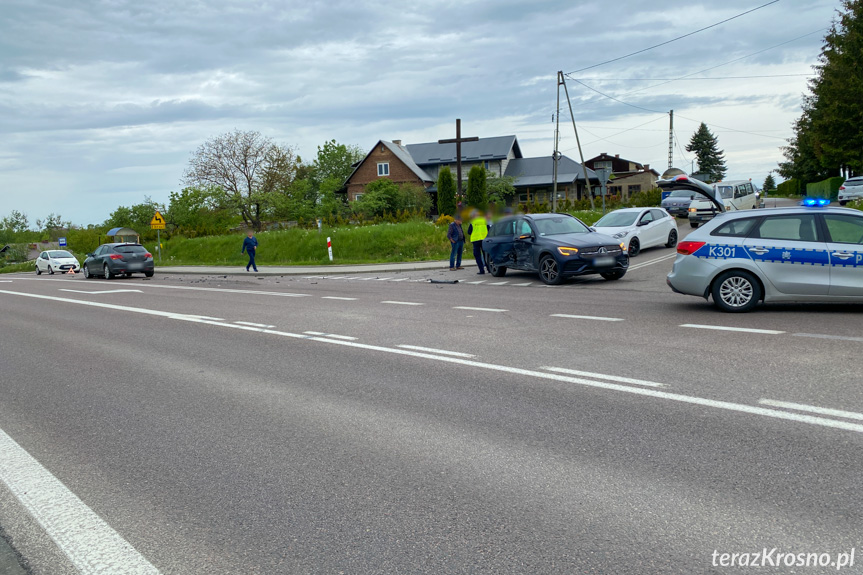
(815,202)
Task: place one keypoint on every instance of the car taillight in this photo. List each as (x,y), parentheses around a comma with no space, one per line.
(689,248)
(841,188)
(148,255)
(115,257)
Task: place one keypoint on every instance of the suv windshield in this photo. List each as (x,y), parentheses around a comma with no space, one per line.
(59,254)
(617,219)
(561,225)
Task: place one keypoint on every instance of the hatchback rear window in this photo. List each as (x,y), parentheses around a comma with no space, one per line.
(130,249)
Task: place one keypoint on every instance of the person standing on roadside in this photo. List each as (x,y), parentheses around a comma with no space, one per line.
(477,230)
(250,246)
(455,235)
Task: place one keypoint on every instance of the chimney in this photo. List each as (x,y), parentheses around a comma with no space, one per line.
(617,156)
(397,142)
(646,167)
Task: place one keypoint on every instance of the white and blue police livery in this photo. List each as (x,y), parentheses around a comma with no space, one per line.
(808,253)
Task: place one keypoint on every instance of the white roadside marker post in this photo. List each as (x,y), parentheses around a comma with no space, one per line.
(330,248)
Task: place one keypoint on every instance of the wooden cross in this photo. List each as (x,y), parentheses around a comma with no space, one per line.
(457,141)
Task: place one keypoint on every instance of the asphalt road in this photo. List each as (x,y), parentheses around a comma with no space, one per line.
(367,425)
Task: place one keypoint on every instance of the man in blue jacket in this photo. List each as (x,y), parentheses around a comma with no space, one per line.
(250,245)
(455,235)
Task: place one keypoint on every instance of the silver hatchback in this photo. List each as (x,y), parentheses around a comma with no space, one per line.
(799,254)
(850,190)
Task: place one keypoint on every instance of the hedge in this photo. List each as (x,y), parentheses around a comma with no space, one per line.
(788,188)
(828,188)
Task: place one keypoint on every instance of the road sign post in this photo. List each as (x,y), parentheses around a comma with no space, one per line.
(604,174)
(62,242)
(158,223)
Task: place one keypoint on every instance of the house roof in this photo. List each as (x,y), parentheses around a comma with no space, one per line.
(539,171)
(399,152)
(496,148)
(605,156)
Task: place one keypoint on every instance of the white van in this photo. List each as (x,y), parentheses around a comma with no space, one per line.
(736,195)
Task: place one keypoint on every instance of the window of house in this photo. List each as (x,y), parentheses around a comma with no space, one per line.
(383,169)
(615,190)
(357,197)
(601,165)
(634,189)
(485,164)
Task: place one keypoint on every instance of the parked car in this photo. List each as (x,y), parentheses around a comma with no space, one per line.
(639,228)
(56,260)
(809,253)
(111,260)
(677,203)
(735,194)
(851,190)
(555,246)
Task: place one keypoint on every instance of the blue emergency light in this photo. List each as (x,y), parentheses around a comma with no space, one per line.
(815,202)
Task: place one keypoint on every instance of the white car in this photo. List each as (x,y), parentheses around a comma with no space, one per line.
(56,261)
(639,228)
(851,190)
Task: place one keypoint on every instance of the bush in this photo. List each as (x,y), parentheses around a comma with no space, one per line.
(646,198)
(789,188)
(828,188)
(444,220)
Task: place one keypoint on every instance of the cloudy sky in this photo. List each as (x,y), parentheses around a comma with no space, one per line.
(102,102)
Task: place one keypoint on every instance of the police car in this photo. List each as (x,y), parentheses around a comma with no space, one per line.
(807,253)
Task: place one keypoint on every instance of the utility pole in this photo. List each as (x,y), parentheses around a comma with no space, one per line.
(457,141)
(556,155)
(670,139)
(562,80)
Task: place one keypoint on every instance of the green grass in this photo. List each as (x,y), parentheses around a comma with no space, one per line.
(382,243)
(15,268)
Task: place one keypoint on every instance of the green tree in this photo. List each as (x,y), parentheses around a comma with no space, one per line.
(711,160)
(769,184)
(446,204)
(477,188)
(336,160)
(249,167)
(198,211)
(380,197)
(15,222)
(500,189)
(414,198)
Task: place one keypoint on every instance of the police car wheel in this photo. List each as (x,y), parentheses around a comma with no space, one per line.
(672,239)
(736,291)
(634,247)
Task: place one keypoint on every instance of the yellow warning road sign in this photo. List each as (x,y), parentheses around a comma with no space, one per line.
(158,222)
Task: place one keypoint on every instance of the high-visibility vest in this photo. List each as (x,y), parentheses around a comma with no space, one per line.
(479,229)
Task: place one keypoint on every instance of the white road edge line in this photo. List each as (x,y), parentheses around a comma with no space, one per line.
(152,285)
(654,393)
(90,543)
(825,336)
(726,328)
(602,376)
(653,261)
(597,318)
(479,308)
(338,298)
(332,335)
(402,302)
(254,324)
(433,350)
(100,292)
(812,409)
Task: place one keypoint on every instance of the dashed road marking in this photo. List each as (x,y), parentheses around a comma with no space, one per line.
(433,350)
(825,336)
(593,317)
(523,285)
(104,291)
(479,308)
(603,376)
(338,298)
(330,335)
(254,324)
(498,283)
(727,328)
(403,302)
(476,282)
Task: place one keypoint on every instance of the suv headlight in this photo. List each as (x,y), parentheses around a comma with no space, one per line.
(567,251)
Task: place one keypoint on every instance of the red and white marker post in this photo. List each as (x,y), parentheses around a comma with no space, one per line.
(330,248)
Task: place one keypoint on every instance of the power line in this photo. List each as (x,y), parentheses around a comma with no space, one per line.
(673,39)
(613,98)
(689,78)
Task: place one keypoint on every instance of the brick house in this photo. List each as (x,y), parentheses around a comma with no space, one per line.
(386,160)
(629,177)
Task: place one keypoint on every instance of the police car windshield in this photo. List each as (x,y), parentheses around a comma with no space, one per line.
(561,225)
(727,192)
(617,220)
(59,254)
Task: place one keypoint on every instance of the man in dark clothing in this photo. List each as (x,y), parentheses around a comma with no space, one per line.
(250,245)
(455,235)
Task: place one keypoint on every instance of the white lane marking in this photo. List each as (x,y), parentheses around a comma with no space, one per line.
(598,318)
(812,409)
(400,279)
(332,335)
(498,283)
(89,542)
(479,308)
(151,285)
(364,279)
(726,328)
(433,350)
(688,399)
(205,317)
(403,302)
(524,284)
(338,298)
(477,282)
(100,292)
(5,281)
(825,336)
(602,376)
(653,261)
(336,277)
(313,277)
(253,324)
(383,279)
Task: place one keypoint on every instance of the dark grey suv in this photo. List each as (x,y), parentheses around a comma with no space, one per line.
(112,260)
